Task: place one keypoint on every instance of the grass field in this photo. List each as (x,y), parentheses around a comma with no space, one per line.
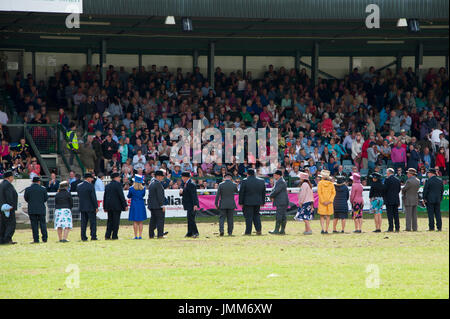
(408,265)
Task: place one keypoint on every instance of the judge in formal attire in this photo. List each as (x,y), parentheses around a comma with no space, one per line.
(392,189)
(8,195)
(279,195)
(433,193)
(114,203)
(36,196)
(410,197)
(156,202)
(189,196)
(252,195)
(226,204)
(88,206)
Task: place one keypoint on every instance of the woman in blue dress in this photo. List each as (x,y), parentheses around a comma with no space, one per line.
(138,212)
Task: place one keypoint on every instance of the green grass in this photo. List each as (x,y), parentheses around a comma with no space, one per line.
(411,265)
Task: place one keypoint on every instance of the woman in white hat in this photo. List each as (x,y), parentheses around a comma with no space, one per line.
(326,192)
(305,203)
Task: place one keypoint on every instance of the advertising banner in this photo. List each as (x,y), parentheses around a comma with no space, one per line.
(50,6)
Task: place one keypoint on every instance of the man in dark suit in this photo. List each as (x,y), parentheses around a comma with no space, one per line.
(8,195)
(392,199)
(36,196)
(226,203)
(190,203)
(88,206)
(252,195)
(279,195)
(114,203)
(74,184)
(156,201)
(433,193)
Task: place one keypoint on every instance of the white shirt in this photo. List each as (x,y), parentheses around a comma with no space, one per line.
(3,118)
(435,136)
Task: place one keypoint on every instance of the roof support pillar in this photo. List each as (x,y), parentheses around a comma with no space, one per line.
(244,66)
(350,65)
(297,61)
(89,56)
(103,64)
(139,61)
(211,54)
(33,65)
(398,63)
(315,63)
(418,61)
(195,56)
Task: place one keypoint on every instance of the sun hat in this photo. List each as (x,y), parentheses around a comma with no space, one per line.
(324,174)
(355,177)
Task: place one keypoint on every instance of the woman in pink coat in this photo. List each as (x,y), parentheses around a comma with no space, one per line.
(356,199)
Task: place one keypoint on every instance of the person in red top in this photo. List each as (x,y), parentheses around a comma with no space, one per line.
(327,124)
(440,161)
(365,147)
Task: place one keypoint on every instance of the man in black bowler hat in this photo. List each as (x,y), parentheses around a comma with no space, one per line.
(88,206)
(226,204)
(433,193)
(114,203)
(279,195)
(156,201)
(189,196)
(36,196)
(8,195)
(252,195)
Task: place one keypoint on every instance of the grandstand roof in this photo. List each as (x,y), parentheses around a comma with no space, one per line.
(240,27)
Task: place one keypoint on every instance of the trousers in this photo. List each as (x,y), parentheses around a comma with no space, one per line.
(92,218)
(411,217)
(434,212)
(252,217)
(228,215)
(7,227)
(393,218)
(38,221)
(156,222)
(112,225)
(192,226)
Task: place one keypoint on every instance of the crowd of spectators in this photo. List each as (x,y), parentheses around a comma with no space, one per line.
(365,122)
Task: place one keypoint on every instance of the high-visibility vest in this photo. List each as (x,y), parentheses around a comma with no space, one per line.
(72,137)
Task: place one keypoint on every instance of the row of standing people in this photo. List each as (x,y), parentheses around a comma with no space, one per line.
(333,199)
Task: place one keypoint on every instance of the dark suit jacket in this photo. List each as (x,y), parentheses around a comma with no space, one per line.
(225,195)
(279,193)
(113,198)
(433,191)
(8,195)
(87,197)
(189,196)
(252,192)
(156,196)
(36,196)
(392,188)
(74,184)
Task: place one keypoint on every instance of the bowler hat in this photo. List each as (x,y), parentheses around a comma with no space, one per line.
(36,179)
(186,174)
(88,175)
(7,174)
(432,171)
(115,174)
(340,179)
(376,175)
(159,173)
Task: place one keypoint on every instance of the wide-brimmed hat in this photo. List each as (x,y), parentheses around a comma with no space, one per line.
(375,175)
(412,171)
(324,174)
(303,175)
(355,177)
(64,185)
